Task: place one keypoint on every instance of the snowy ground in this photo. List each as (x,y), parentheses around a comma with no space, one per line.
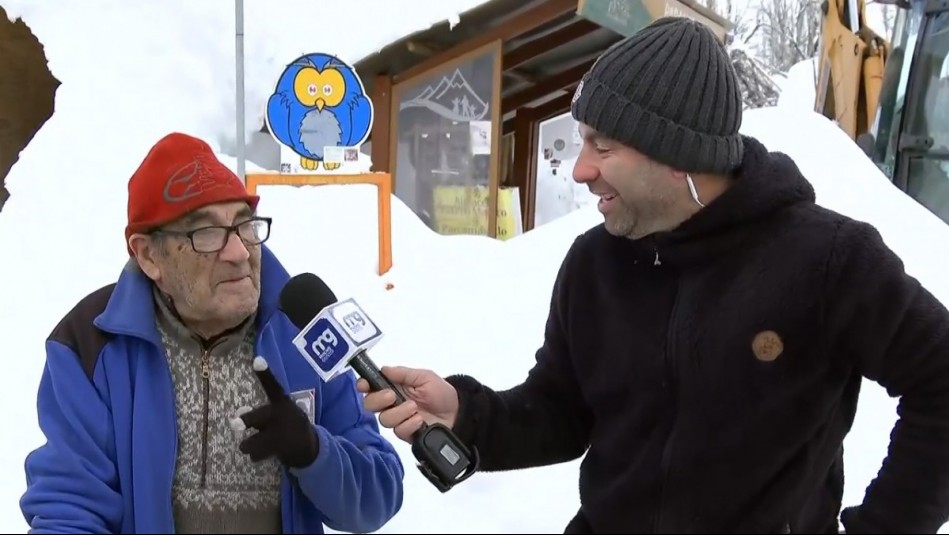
(489,297)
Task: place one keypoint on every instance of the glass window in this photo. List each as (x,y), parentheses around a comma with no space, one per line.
(931,119)
(928,178)
(443,157)
(556,193)
(929,184)
(893,90)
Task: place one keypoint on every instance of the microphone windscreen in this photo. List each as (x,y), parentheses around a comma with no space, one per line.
(303,297)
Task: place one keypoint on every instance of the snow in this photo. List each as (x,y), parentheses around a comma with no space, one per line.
(141,71)
(799,85)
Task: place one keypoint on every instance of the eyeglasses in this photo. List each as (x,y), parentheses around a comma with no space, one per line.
(212,239)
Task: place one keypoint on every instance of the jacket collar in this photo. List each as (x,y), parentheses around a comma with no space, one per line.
(131,309)
(765,183)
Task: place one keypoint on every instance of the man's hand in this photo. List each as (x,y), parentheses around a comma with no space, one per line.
(428,398)
(283,429)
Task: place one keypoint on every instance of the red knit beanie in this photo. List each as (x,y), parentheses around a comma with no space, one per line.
(179,175)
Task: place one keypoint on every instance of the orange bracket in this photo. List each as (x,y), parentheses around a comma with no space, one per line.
(382,181)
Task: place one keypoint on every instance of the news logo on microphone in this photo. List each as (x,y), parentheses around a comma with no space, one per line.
(338,333)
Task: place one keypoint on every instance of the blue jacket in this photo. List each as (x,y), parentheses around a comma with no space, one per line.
(110,425)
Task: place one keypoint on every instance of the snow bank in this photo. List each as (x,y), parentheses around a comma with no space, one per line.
(798,86)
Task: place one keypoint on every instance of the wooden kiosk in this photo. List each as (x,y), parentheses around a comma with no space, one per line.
(457,107)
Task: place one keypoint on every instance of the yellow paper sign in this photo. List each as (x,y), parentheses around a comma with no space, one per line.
(464,210)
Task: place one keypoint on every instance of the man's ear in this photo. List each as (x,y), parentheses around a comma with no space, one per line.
(678,175)
(146,250)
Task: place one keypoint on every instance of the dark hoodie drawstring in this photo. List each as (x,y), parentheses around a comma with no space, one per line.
(655,248)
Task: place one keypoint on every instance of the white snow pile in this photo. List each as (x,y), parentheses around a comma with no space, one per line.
(799,85)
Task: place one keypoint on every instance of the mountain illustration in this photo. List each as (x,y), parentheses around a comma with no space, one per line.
(452,98)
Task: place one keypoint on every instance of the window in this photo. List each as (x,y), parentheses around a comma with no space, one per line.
(893,91)
(444,125)
(556,193)
(928,177)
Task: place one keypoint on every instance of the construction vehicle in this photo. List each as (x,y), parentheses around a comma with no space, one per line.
(892,97)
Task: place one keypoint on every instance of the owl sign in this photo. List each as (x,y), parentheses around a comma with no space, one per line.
(319,111)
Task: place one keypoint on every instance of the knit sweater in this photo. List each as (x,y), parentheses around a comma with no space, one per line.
(217,489)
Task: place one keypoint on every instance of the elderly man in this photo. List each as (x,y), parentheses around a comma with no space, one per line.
(173,400)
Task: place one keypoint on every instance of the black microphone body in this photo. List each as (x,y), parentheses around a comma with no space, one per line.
(443,459)
(367,369)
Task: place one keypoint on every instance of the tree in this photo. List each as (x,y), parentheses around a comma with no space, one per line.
(881,18)
(755,78)
(790,31)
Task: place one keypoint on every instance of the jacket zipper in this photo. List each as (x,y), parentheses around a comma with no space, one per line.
(206,380)
(671,371)
(169,502)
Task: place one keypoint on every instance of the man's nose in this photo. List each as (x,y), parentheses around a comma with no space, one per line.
(234,250)
(584,173)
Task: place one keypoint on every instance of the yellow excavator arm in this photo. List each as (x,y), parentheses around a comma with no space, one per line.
(851,63)
(891,97)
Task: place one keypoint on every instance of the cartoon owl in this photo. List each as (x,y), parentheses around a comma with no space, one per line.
(319,101)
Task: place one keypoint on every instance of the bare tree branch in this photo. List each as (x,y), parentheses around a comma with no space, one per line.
(754,78)
(790,31)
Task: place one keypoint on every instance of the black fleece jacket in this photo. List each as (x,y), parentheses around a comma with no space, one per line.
(711,373)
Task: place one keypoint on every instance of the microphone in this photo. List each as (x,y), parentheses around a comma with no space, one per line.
(334,337)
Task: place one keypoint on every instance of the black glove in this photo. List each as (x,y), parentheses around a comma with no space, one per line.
(283,429)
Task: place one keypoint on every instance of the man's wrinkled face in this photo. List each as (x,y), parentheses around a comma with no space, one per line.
(637,195)
(212,290)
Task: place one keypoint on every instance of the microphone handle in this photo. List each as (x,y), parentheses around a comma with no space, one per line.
(365,368)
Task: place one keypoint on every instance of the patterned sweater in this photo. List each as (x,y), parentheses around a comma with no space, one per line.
(217,489)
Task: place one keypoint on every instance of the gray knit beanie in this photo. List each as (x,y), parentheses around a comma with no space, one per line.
(669,92)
